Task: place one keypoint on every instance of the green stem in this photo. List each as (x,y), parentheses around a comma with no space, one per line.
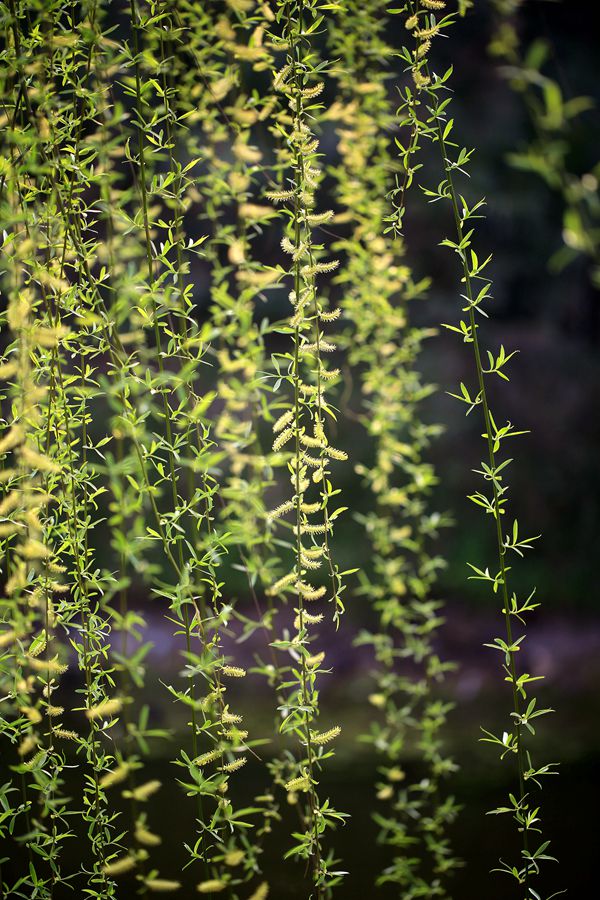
(305,692)
(521,767)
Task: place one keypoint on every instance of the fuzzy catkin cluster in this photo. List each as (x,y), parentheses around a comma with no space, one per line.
(301,443)
(383,348)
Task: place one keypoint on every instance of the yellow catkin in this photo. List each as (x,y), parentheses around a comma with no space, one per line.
(302,783)
(25,686)
(317,268)
(33,549)
(120,866)
(261,892)
(206,758)
(279,196)
(281,510)
(7,637)
(321,347)
(308,619)
(246,153)
(46,665)
(310,441)
(59,588)
(287,246)
(330,316)
(236,253)
(161,885)
(313,564)
(115,776)
(324,737)
(313,661)
(38,460)
(7,370)
(147,838)
(39,665)
(233,671)
(320,218)
(385,793)
(313,552)
(144,791)
(105,708)
(313,529)
(420,81)
(337,454)
(314,91)
(377,700)
(281,584)
(66,735)
(12,438)
(6,530)
(235,765)
(39,758)
(281,77)
(235,734)
(34,715)
(423,49)
(309,593)
(28,744)
(282,439)
(283,420)
(234,857)
(212,886)
(254,211)
(11,502)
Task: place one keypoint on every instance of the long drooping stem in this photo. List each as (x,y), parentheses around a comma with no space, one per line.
(438,128)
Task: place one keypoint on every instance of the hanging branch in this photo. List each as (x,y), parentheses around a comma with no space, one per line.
(302,426)
(383,347)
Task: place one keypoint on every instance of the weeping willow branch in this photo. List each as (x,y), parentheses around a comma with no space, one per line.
(378,289)
(494,498)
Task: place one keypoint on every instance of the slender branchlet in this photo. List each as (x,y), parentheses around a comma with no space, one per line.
(493,497)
